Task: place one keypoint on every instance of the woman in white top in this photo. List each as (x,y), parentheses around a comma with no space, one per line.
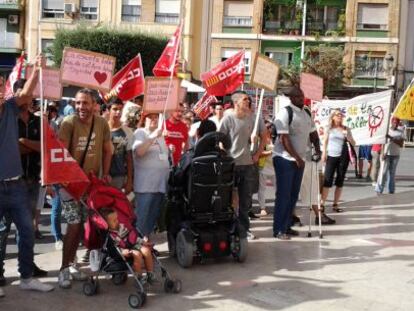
(335,154)
(151,170)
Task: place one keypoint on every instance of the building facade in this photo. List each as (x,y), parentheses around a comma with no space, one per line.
(11,33)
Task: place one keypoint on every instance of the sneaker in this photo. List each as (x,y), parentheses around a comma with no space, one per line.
(374,184)
(76,274)
(2,293)
(2,280)
(326,220)
(282,236)
(37,272)
(34,284)
(253,215)
(292,232)
(250,236)
(59,245)
(263,212)
(85,258)
(64,278)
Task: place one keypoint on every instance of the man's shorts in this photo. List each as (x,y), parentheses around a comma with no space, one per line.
(73,211)
(364,152)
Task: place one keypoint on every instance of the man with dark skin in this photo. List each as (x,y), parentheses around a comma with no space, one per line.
(288,159)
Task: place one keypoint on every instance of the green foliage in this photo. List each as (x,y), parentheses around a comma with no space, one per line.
(123,45)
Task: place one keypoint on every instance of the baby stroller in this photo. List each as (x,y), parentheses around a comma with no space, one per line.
(110,260)
(201,222)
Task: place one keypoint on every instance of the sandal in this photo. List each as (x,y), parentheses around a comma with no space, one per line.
(335,208)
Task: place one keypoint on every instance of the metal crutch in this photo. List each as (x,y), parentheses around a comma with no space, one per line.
(319,203)
(310,202)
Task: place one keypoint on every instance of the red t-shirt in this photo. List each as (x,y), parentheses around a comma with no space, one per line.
(376,147)
(177,135)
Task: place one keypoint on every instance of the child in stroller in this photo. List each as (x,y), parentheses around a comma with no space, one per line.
(107,238)
(130,243)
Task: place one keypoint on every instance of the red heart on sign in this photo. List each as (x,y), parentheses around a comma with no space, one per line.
(100,76)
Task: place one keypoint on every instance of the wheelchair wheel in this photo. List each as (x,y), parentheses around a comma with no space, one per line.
(240,254)
(171,245)
(184,250)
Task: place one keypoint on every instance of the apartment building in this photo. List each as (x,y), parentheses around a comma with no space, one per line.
(11,33)
(44,17)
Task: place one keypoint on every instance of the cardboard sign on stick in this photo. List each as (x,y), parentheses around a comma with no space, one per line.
(265,73)
(312,86)
(156,92)
(87,69)
(52,88)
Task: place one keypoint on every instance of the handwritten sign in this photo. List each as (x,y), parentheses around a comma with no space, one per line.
(87,69)
(312,86)
(265,73)
(156,92)
(405,107)
(366,116)
(52,88)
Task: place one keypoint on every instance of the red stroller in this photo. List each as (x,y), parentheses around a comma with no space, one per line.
(111,261)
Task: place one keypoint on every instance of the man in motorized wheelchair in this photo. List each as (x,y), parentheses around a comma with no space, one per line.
(200,219)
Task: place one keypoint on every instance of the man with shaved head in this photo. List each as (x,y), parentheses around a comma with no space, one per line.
(294,128)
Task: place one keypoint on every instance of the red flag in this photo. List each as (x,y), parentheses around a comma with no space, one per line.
(15,75)
(168,61)
(226,77)
(202,107)
(129,81)
(59,167)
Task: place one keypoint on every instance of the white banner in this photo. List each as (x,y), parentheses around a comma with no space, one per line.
(367,116)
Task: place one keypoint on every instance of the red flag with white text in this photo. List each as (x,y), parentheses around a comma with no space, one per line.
(129,82)
(15,75)
(58,166)
(168,61)
(202,107)
(226,77)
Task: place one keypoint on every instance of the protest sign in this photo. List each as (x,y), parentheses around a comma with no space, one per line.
(156,92)
(367,116)
(312,86)
(405,107)
(52,88)
(265,73)
(87,69)
(202,107)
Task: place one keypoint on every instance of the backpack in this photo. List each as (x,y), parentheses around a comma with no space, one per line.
(290,118)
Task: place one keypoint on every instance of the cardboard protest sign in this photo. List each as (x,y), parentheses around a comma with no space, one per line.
(52,88)
(265,73)
(156,93)
(87,69)
(312,86)
(405,107)
(367,116)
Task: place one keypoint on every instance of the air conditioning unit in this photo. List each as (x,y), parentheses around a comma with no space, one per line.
(13,19)
(70,8)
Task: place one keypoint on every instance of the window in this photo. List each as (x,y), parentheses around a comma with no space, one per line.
(238,14)
(131,10)
(283,58)
(369,65)
(46,46)
(52,9)
(226,53)
(332,18)
(372,16)
(89,9)
(167,11)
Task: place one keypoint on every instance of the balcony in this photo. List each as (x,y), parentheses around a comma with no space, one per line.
(10,42)
(167,18)
(314,28)
(10,5)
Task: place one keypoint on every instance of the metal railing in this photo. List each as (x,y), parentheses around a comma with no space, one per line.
(165,18)
(238,21)
(9,1)
(10,40)
(409,134)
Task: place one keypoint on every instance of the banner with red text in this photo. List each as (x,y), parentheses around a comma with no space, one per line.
(202,107)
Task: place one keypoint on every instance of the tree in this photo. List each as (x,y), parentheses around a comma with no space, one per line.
(118,43)
(322,60)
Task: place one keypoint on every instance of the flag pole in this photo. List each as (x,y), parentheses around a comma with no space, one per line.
(162,119)
(42,109)
(256,123)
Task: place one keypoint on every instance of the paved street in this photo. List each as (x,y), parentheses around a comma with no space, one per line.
(364,262)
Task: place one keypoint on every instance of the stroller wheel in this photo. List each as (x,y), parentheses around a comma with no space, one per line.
(177,286)
(168,286)
(240,253)
(135,301)
(90,288)
(119,278)
(184,250)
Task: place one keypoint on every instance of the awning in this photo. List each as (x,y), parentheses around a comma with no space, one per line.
(191,87)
